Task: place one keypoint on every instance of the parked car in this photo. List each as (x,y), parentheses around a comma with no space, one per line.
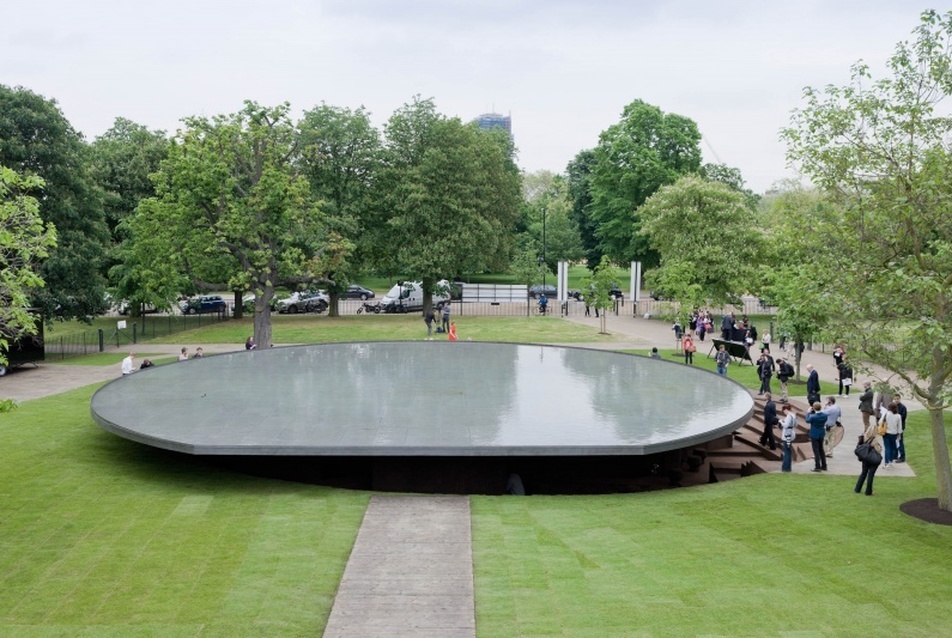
(304,301)
(203,304)
(358,292)
(538,290)
(125,308)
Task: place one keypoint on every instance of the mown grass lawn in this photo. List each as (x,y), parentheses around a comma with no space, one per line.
(104,537)
(322,329)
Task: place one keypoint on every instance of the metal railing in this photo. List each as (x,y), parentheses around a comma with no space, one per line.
(143,328)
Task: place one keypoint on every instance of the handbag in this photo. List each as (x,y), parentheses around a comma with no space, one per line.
(881,430)
(866,453)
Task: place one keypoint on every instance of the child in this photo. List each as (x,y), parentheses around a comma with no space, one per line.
(453,336)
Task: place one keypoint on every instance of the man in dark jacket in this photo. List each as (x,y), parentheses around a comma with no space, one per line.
(817,422)
(813,386)
(765,369)
(770,422)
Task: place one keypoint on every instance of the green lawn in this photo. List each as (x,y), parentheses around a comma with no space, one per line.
(322,329)
(104,537)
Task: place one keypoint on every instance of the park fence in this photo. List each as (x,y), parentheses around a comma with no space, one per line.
(77,344)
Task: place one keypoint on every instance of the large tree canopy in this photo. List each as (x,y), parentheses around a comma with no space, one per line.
(634,158)
(709,246)
(36,139)
(449,197)
(340,151)
(883,151)
(123,158)
(24,240)
(231,191)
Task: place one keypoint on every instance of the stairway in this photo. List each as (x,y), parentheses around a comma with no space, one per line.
(741,453)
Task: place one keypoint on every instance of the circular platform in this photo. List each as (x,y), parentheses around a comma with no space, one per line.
(430,398)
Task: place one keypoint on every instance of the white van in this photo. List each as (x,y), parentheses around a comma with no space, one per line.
(409,297)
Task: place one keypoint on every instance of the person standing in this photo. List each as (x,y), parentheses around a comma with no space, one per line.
(770,422)
(893,434)
(817,422)
(833,413)
(428,319)
(446,316)
(866,403)
(765,369)
(869,469)
(688,345)
(128,364)
(784,372)
(727,327)
(813,385)
(903,413)
(452,332)
(787,435)
(722,359)
(845,376)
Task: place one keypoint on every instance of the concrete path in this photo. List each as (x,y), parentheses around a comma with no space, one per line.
(410,572)
(54,377)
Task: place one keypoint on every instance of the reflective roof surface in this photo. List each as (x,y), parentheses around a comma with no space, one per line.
(422,398)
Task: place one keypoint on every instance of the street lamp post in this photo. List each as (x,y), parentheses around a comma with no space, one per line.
(545,265)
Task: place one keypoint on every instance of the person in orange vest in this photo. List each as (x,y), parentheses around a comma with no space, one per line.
(453,336)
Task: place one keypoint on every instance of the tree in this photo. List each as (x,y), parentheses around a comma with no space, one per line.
(549,227)
(340,152)
(634,158)
(123,158)
(598,290)
(797,262)
(882,150)
(578,176)
(448,198)
(231,189)
(731,177)
(709,248)
(24,241)
(36,139)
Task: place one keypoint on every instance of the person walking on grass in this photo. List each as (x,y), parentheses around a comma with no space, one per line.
(689,348)
(722,359)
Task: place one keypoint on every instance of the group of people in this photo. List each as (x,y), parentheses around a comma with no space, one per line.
(447,326)
(128,363)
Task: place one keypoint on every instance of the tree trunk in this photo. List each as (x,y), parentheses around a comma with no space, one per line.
(940,445)
(239,311)
(263,316)
(603,322)
(333,308)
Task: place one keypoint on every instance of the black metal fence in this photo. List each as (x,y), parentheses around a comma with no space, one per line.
(77,344)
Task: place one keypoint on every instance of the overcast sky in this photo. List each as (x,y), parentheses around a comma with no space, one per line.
(563,69)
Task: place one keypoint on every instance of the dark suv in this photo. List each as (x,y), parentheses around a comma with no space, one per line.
(203,304)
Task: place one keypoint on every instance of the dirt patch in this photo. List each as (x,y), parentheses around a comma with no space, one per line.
(927,509)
